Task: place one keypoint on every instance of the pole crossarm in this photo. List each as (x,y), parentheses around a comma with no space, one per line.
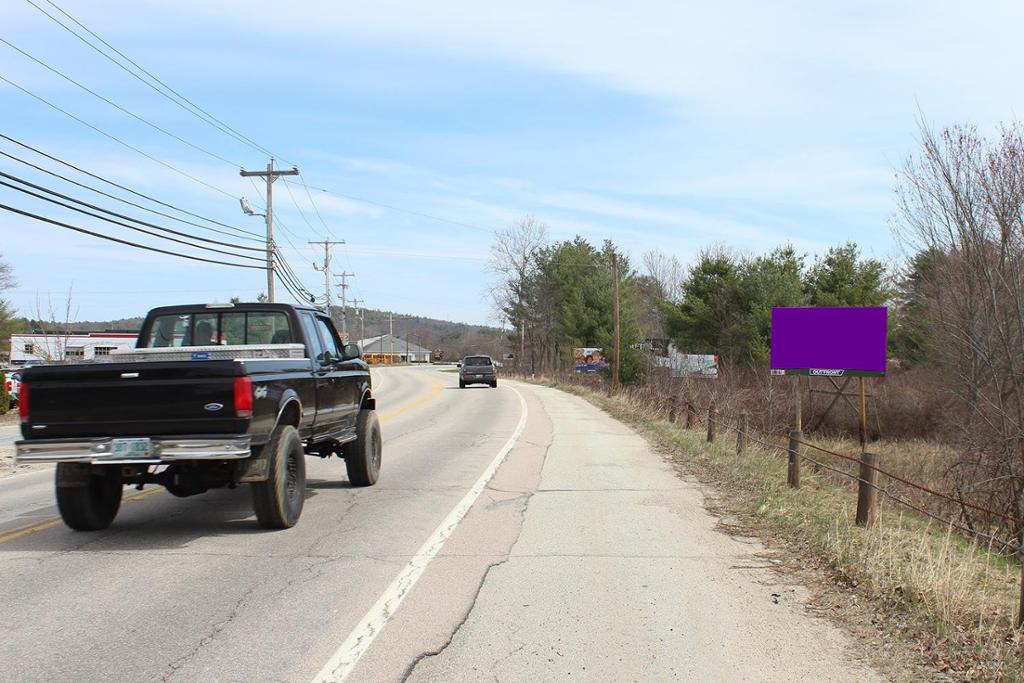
(271,174)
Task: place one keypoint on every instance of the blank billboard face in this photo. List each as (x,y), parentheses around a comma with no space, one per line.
(824,341)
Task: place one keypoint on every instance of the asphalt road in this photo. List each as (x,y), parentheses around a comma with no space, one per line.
(515,534)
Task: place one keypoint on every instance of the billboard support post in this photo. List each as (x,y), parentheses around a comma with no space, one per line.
(793,471)
(867,490)
(797,406)
(863,418)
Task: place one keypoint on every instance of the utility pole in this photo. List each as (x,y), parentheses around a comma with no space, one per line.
(344,305)
(618,331)
(356,304)
(271,175)
(326,269)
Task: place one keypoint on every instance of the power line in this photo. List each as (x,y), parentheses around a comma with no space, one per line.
(292,283)
(315,208)
(296,204)
(123,225)
(128,218)
(118,106)
(23,145)
(129,203)
(291,290)
(121,241)
(178,99)
(115,138)
(392,207)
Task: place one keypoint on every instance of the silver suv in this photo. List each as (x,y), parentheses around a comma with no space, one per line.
(477,370)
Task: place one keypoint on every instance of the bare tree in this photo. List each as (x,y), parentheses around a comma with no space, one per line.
(57,323)
(514,260)
(962,200)
(667,272)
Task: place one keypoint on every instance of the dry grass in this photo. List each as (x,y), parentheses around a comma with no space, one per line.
(947,603)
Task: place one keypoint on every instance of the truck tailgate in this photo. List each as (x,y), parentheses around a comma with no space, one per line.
(133,399)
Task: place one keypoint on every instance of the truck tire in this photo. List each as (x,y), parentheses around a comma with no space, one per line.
(278,500)
(494,384)
(88,497)
(362,456)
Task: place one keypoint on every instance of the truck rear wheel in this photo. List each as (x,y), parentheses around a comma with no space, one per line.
(362,456)
(88,497)
(278,500)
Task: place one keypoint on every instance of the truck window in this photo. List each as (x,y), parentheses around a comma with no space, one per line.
(331,343)
(204,330)
(168,330)
(233,327)
(316,347)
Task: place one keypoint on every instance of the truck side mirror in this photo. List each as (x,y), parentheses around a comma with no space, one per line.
(351,352)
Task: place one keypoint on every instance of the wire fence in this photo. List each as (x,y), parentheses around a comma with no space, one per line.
(1004,545)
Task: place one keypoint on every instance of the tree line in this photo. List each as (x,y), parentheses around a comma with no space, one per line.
(557,296)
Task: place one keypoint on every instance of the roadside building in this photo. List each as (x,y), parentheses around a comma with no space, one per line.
(388,350)
(62,348)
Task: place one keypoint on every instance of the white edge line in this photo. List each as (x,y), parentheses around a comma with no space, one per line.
(343,661)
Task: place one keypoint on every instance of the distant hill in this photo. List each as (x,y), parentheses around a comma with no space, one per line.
(453,339)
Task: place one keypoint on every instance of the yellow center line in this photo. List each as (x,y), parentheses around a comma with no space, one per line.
(437,389)
(25,530)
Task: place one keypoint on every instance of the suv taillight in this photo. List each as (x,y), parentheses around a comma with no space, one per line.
(243,397)
(23,402)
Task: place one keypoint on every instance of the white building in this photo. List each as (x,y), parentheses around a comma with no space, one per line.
(387,349)
(59,348)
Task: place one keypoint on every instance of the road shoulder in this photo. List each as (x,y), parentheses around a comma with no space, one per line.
(620,570)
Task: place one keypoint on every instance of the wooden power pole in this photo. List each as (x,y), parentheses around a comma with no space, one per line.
(344,300)
(326,269)
(271,175)
(618,331)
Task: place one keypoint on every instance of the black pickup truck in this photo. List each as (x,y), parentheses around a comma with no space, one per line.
(213,395)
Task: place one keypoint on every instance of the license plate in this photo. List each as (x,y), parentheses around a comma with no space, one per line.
(130,448)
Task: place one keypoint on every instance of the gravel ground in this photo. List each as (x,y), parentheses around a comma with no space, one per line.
(9,433)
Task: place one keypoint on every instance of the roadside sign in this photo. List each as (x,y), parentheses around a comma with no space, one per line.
(590,359)
(829,341)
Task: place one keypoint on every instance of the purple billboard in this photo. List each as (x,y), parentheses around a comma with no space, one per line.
(829,341)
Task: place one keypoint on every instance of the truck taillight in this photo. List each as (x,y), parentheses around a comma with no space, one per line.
(23,402)
(243,397)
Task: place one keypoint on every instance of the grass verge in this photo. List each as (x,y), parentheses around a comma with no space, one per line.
(926,601)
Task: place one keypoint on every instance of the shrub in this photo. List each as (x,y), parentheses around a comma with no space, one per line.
(5,398)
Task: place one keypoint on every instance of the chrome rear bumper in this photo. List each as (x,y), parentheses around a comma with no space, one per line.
(98,451)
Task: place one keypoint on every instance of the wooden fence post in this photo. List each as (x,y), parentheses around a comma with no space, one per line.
(741,434)
(867,493)
(1020,608)
(691,415)
(711,422)
(793,473)
(1020,559)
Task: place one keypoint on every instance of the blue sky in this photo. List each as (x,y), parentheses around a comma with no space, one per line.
(665,125)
